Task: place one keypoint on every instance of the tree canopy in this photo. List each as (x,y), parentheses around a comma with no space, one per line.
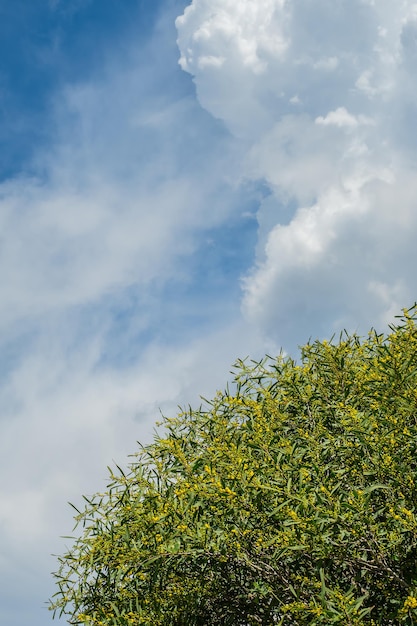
(289,498)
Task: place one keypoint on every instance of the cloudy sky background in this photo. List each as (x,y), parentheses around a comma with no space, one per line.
(181,185)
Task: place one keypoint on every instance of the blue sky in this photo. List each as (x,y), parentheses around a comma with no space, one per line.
(45,44)
(181,184)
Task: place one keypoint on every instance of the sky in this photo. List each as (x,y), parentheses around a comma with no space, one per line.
(182,184)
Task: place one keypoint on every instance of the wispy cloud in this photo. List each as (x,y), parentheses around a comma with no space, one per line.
(109,273)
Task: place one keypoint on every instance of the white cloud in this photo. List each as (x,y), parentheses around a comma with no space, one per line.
(341,117)
(328,129)
(247,30)
(243,37)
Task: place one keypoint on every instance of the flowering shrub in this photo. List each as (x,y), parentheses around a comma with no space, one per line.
(290,499)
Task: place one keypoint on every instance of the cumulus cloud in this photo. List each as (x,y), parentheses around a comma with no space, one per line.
(322,95)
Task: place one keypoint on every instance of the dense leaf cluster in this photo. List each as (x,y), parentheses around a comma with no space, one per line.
(289,500)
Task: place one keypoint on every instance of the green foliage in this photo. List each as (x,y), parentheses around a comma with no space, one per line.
(291,500)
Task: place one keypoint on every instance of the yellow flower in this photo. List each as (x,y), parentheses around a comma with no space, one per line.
(410,603)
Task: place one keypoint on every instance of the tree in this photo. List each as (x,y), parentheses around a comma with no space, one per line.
(289,499)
